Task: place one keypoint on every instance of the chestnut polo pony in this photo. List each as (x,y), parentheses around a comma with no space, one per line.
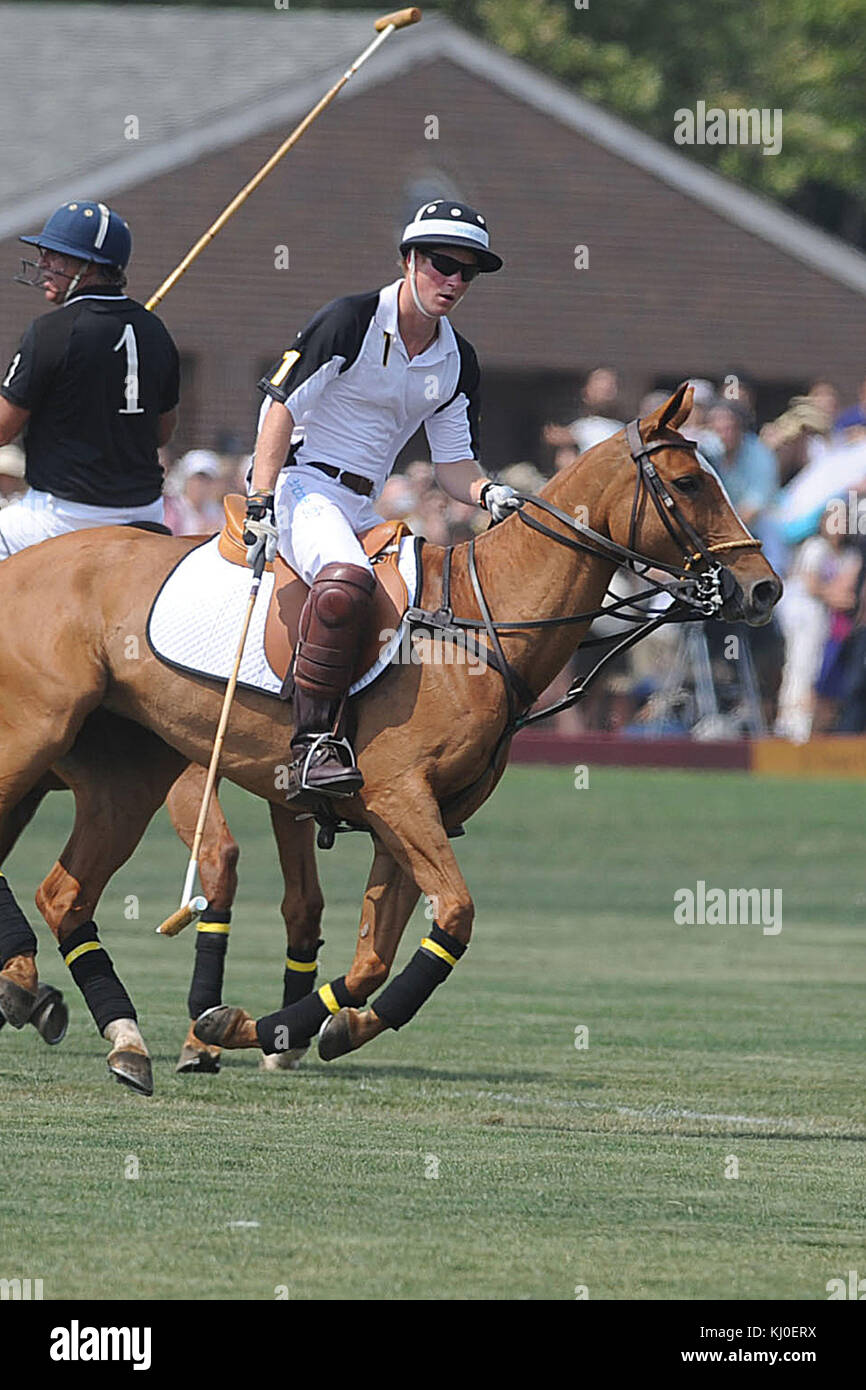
(432,738)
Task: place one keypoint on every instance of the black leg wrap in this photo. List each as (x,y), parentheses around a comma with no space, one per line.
(16,934)
(211,944)
(294,1026)
(91,968)
(216,917)
(299,976)
(402,998)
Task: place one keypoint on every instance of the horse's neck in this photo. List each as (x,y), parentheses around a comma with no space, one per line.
(525,575)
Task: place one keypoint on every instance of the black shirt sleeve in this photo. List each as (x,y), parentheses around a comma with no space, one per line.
(336,331)
(34,366)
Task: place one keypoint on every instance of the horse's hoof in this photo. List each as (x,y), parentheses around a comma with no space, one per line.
(132,1069)
(335,1039)
(283,1061)
(201,1061)
(223,1026)
(50,1016)
(16,1003)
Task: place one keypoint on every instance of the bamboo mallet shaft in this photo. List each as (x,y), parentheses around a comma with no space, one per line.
(385,27)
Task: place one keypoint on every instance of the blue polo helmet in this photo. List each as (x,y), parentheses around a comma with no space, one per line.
(90,231)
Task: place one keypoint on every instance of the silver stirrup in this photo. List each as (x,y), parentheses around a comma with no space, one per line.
(321,740)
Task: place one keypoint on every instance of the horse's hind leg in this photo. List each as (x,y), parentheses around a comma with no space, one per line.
(119,780)
(302,908)
(218,862)
(302,912)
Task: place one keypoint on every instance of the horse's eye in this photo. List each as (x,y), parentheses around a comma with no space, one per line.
(690,483)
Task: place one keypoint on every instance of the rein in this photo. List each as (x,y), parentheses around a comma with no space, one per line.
(697,594)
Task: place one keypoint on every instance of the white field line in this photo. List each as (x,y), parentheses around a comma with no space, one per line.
(652,1112)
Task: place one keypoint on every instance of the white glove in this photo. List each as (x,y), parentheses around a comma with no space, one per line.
(499,500)
(260,531)
(265,533)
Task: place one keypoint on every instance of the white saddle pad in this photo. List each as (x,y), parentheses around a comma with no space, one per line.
(196,619)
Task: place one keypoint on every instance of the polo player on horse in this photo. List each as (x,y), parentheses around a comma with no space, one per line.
(366,371)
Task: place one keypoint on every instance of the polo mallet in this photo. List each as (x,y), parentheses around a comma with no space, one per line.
(384,27)
(192,907)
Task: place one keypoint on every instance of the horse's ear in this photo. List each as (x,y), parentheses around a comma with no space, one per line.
(675,411)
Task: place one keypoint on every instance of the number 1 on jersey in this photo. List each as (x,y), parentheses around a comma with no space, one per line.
(127,341)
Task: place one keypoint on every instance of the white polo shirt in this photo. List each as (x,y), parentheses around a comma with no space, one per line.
(356,398)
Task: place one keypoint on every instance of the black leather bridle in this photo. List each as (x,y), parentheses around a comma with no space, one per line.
(650,482)
(700,587)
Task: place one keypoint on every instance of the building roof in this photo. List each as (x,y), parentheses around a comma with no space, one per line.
(199,81)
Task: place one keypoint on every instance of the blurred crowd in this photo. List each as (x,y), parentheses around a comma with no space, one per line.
(799,483)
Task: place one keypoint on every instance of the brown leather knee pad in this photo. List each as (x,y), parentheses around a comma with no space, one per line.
(331,629)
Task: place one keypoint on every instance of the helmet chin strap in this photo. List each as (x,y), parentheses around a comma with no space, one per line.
(412,286)
(73,284)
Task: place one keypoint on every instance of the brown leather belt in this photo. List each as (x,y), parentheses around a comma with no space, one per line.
(353,481)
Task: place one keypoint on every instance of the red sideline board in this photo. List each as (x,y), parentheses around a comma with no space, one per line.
(830,755)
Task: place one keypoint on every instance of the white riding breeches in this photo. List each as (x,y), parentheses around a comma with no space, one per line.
(318,521)
(37,516)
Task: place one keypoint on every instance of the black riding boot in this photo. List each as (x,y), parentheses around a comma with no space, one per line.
(322,760)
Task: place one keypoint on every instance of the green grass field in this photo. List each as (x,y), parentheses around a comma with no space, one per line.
(557,1167)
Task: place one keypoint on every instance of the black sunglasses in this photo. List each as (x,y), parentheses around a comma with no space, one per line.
(447,265)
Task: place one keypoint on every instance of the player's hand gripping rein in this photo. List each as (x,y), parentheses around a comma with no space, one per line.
(499,500)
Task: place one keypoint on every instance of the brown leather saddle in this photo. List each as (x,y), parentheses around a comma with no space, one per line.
(390,600)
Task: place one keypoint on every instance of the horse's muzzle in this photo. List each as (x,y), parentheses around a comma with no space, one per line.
(752,602)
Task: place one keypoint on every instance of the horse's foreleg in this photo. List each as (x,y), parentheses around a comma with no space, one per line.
(415,859)
(218,862)
(14,821)
(31,739)
(50,1015)
(118,785)
(420,845)
(388,904)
